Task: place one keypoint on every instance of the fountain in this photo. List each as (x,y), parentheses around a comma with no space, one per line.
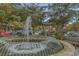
(49,46)
(28,27)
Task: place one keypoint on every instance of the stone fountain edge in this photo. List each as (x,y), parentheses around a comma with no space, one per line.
(69,50)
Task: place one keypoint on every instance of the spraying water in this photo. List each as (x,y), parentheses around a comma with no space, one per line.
(28,27)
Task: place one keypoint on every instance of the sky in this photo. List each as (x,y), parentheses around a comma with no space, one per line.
(43,4)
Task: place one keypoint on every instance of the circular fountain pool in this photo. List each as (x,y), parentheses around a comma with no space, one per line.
(26,47)
(46,47)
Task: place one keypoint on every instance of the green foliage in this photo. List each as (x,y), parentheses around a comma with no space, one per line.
(9,14)
(59,35)
(61,14)
(2,13)
(73,27)
(12,17)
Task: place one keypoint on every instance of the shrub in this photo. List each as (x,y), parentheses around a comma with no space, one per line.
(59,35)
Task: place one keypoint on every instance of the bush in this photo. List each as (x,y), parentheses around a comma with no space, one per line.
(59,35)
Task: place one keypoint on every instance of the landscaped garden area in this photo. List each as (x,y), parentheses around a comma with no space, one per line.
(35,29)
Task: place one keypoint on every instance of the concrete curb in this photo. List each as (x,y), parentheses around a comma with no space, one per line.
(69,50)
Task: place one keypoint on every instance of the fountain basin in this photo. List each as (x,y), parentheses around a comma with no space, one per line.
(26,47)
(42,48)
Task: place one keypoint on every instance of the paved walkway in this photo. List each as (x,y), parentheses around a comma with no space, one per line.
(77,51)
(68,50)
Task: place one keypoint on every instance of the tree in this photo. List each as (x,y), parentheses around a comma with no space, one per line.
(7,15)
(61,14)
(14,15)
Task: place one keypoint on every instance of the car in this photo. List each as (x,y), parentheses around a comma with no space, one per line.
(22,32)
(5,33)
(72,33)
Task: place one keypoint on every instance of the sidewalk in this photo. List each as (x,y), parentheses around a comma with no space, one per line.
(77,51)
(68,50)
